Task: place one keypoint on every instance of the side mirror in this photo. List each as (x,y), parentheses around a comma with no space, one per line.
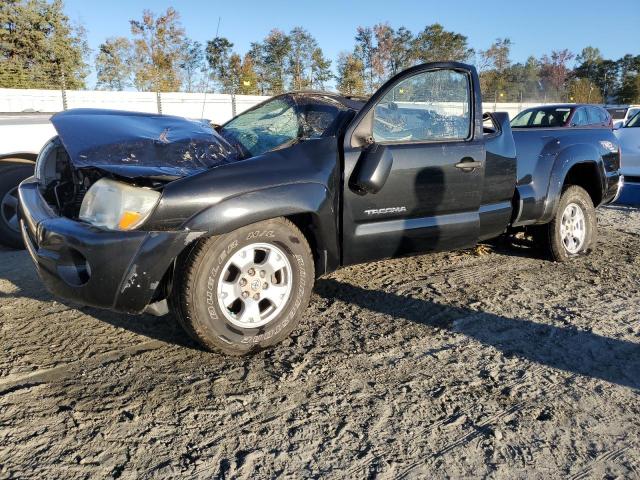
(618,125)
(372,170)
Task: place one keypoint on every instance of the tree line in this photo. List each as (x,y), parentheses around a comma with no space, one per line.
(41,48)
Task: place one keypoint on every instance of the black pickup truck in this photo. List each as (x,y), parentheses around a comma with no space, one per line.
(230,227)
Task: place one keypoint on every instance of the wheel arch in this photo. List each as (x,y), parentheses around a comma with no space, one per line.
(309,206)
(579,165)
(587,176)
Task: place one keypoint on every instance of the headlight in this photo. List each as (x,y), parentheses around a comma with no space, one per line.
(116,205)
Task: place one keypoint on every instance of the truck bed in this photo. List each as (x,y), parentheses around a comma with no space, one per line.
(542,154)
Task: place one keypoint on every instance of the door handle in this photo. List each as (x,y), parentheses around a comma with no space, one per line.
(468,164)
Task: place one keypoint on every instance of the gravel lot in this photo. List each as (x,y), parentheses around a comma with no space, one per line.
(489,363)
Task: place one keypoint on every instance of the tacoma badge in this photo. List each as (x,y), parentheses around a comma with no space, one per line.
(380,211)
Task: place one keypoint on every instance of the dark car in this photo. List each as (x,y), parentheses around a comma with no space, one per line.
(230,228)
(567,115)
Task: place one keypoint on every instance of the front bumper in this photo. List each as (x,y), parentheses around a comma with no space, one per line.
(93,266)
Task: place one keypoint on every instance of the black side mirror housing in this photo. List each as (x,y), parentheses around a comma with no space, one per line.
(372,169)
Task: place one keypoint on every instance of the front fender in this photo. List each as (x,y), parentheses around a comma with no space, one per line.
(280,201)
(565,161)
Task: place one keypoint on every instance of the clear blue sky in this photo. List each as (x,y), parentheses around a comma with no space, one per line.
(535,27)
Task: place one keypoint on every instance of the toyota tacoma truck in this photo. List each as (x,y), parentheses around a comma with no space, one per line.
(230,227)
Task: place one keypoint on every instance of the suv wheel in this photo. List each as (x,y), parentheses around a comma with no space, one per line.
(245,290)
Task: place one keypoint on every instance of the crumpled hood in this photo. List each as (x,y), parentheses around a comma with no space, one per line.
(133,144)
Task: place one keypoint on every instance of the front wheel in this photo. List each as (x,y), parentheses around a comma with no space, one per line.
(573,230)
(245,290)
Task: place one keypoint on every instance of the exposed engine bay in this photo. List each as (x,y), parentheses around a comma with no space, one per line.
(64,186)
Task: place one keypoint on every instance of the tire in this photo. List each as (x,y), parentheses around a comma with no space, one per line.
(209,294)
(564,243)
(10,178)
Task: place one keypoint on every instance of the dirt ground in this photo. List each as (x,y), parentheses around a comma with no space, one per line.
(463,364)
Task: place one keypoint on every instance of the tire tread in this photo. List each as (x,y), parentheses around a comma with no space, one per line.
(186,272)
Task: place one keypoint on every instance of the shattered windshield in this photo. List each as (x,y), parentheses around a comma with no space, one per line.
(283,120)
(267,127)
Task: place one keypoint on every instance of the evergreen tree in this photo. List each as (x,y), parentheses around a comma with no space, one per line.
(350,74)
(364,51)
(218,53)
(300,58)
(191,65)
(435,44)
(320,69)
(39,47)
(402,54)
(275,48)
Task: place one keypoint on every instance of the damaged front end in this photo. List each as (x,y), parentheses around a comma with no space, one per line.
(140,149)
(83,213)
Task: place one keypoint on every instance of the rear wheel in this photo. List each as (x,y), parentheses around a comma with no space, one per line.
(573,230)
(247,289)
(10,178)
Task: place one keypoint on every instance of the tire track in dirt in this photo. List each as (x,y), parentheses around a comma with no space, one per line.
(363,465)
(479,431)
(609,456)
(16,382)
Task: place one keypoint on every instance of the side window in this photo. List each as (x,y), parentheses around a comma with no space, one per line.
(580,118)
(318,119)
(594,116)
(541,118)
(522,119)
(429,106)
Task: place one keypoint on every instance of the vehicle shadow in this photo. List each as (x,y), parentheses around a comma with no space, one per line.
(517,245)
(572,350)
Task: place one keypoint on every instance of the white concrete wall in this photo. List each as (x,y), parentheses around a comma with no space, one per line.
(511,108)
(217,107)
